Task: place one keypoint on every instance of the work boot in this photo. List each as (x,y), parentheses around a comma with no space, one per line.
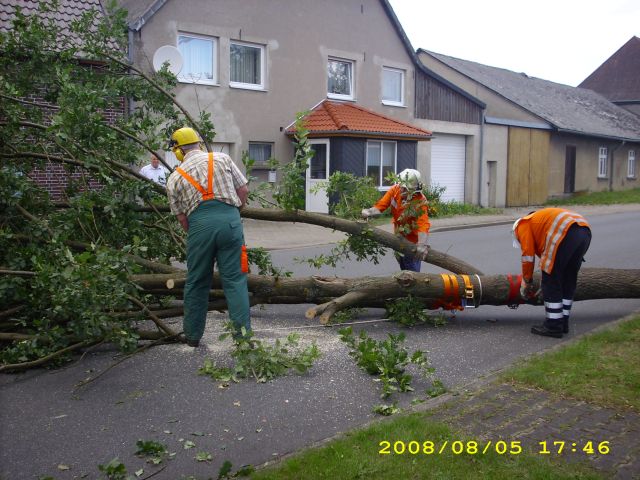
(565,325)
(546,331)
(191,343)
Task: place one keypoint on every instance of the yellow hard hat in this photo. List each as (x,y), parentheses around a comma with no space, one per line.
(182,136)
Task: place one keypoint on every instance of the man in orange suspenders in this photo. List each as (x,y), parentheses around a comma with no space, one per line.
(205,193)
(409,209)
(560,238)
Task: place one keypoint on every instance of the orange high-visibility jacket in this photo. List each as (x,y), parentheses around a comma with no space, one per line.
(540,233)
(420,223)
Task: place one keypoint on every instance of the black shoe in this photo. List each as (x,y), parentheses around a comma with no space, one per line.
(545,332)
(193,343)
(565,325)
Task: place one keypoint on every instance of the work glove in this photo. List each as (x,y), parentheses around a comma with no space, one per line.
(528,290)
(370,212)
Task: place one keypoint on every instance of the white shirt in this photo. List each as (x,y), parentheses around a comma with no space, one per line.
(158,175)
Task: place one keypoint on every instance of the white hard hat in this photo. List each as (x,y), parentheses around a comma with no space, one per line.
(410,177)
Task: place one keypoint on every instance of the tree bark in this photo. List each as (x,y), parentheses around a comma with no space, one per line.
(333,294)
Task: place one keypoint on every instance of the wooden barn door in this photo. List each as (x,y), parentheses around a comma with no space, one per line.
(527,171)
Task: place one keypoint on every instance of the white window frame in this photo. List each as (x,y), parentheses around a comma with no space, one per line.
(249,86)
(352,65)
(603,157)
(380,183)
(631,164)
(214,61)
(394,103)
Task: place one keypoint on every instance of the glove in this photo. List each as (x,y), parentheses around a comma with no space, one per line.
(370,212)
(422,251)
(528,290)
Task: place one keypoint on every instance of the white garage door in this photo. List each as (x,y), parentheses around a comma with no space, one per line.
(447,165)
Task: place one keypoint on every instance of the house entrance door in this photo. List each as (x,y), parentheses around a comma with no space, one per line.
(317,173)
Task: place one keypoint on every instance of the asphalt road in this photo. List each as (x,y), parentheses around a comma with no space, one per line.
(47,426)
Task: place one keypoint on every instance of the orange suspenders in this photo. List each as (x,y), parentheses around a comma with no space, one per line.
(208,193)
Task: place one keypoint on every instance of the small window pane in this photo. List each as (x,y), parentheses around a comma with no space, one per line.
(388,160)
(381,159)
(392,83)
(631,165)
(246,64)
(340,78)
(197,55)
(318,163)
(260,152)
(373,161)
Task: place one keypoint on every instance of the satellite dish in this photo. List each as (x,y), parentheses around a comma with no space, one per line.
(168,53)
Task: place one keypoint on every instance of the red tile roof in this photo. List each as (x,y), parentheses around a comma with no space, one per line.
(333,119)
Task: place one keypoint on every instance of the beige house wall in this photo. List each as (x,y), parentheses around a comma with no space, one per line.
(298,40)
(587,150)
(496,152)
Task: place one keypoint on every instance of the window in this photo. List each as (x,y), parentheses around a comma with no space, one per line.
(602,162)
(247,66)
(392,86)
(199,59)
(381,159)
(631,164)
(260,152)
(340,79)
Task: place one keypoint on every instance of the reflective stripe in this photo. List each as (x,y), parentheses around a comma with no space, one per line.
(528,259)
(555,232)
(553,316)
(566,313)
(567,303)
(394,204)
(554,306)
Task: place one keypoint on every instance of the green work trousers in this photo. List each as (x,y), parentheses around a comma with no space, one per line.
(215,234)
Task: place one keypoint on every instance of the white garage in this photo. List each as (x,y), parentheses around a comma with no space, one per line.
(448,155)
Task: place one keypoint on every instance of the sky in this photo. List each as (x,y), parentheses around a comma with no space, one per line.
(559,40)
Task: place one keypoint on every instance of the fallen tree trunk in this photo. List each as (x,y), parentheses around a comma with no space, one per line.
(447,291)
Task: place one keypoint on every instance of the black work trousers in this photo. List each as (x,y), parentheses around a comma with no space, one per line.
(559,287)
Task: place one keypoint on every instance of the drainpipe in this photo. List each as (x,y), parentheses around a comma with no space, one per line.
(481,158)
(611,174)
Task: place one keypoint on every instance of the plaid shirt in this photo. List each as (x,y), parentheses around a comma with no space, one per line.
(227,178)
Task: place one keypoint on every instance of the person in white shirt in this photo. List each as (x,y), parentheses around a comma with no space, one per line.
(154,171)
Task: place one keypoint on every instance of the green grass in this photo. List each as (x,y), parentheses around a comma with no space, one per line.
(356,456)
(600,198)
(601,368)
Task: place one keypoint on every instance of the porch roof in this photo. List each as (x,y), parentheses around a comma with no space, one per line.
(338,119)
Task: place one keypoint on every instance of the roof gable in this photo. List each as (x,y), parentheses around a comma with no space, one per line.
(331,119)
(570,109)
(618,78)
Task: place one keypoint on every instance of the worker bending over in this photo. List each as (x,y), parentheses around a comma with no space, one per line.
(560,238)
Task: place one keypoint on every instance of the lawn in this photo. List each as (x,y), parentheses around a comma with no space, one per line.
(599,198)
(601,368)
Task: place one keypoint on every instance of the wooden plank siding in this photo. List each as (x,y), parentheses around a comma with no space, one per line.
(436,101)
(527,167)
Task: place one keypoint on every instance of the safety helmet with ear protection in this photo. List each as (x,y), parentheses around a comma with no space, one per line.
(410,178)
(182,136)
